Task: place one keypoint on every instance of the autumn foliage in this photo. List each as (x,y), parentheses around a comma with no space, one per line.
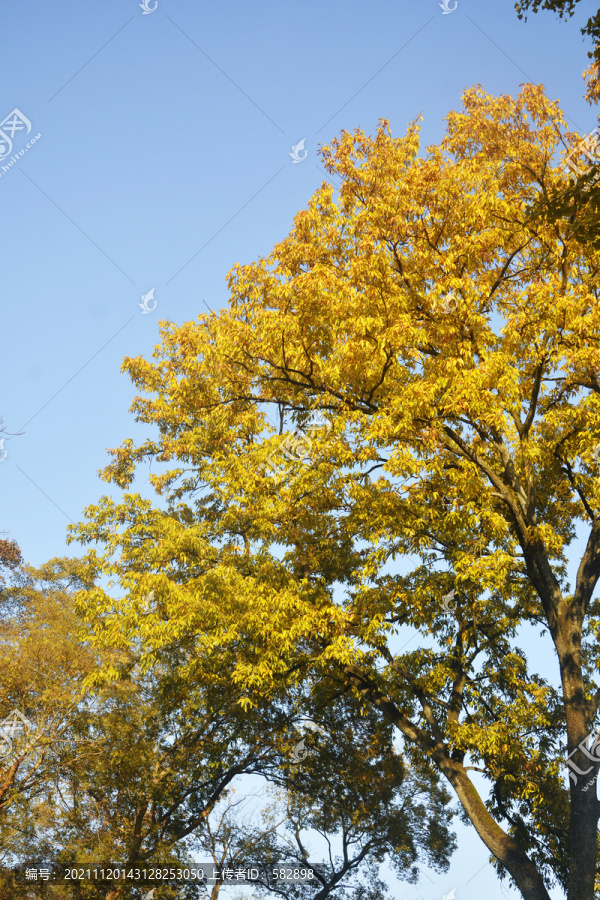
(448,343)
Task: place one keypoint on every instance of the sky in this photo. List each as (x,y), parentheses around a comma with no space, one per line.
(164,157)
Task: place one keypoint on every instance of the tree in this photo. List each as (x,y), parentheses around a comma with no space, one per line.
(132,773)
(580,201)
(10,556)
(354,790)
(135,768)
(564,8)
(451,344)
(148,766)
(42,667)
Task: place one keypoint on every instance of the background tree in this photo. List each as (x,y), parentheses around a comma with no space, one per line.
(580,201)
(150,769)
(42,668)
(137,768)
(564,8)
(130,774)
(10,557)
(353,789)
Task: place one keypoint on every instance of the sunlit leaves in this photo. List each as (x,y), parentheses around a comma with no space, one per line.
(452,344)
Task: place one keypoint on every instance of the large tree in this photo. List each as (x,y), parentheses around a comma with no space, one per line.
(404,548)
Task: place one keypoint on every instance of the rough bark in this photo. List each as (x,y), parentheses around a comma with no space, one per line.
(506,850)
(501,845)
(579,712)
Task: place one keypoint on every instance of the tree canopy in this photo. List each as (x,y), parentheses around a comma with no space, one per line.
(580,200)
(564,8)
(134,772)
(375,470)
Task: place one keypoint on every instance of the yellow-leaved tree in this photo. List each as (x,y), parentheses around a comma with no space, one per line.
(375,468)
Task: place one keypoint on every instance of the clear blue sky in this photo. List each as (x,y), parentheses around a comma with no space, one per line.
(164,159)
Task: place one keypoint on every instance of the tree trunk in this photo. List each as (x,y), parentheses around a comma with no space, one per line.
(501,845)
(582,839)
(584,764)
